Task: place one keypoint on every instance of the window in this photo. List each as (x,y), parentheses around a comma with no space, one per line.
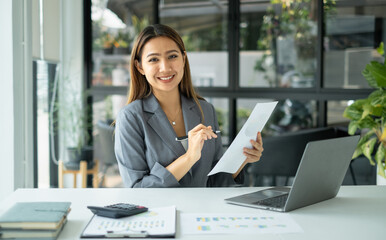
(115,25)
(278,44)
(203,28)
(354,30)
(289,115)
(44,78)
(307,54)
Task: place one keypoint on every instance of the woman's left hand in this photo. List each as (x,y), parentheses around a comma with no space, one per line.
(253,154)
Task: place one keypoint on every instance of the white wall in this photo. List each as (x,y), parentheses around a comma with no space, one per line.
(6,98)
(16,95)
(16,139)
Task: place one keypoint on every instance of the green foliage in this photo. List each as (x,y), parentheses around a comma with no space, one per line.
(242,116)
(370,113)
(139,24)
(208,39)
(107,40)
(221,118)
(109,108)
(122,40)
(72,113)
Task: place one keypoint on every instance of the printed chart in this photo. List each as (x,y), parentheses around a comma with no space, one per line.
(237,223)
(157,221)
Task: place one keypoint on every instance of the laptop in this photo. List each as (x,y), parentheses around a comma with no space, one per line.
(319,177)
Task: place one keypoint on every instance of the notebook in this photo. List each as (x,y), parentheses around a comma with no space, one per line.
(318,178)
(31,233)
(35,215)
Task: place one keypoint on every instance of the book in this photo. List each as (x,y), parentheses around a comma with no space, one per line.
(31,233)
(35,215)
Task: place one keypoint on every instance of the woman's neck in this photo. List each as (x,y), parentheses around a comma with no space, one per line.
(169,101)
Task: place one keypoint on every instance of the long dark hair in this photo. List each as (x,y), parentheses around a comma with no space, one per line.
(139,87)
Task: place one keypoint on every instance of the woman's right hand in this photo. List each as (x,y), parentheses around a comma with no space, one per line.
(196,138)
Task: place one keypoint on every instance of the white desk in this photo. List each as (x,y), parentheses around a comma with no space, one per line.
(356,213)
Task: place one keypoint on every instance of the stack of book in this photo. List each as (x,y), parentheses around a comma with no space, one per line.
(29,220)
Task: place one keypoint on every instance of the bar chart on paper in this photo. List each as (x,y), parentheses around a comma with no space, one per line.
(156,222)
(237,223)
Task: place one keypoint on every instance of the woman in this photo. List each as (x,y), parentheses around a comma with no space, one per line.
(163,105)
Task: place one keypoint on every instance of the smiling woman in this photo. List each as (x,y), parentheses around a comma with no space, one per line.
(163,106)
(163,66)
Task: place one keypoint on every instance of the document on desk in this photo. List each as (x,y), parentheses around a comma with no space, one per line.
(232,159)
(155,223)
(242,223)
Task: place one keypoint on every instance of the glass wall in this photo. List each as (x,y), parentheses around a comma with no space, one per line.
(105,110)
(256,51)
(289,115)
(222,111)
(115,25)
(353,30)
(335,113)
(203,27)
(278,44)
(44,78)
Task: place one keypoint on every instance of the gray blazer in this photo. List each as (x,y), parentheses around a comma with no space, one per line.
(145,144)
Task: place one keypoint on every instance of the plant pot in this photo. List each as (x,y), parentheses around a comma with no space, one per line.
(108,51)
(76,155)
(380,180)
(121,51)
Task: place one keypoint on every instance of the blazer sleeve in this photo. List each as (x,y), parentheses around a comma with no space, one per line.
(130,153)
(222,179)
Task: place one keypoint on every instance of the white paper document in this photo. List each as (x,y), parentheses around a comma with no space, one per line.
(243,223)
(232,159)
(157,222)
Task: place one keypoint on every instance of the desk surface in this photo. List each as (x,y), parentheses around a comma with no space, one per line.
(356,213)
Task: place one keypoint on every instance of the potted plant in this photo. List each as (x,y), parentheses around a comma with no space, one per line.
(370,114)
(74,124)
(122,43)
(107,42)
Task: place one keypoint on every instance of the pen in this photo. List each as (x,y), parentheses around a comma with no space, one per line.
(186,137)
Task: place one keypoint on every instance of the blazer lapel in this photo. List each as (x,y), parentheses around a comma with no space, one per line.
(192,116)
(159,122)
(191,112)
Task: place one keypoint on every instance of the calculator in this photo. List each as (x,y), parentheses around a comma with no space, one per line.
(118,210)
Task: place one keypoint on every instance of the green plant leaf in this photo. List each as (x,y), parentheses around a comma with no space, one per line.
(368,148)
(372,109)
(378,97)
(355,110)
(380,154)
(381,49)
(366,137)
(362,140)
(378,71)
(380,158)
(352,127)
(358,151)
(367,122)
(370,78)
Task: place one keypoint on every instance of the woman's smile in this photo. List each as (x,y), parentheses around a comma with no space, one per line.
(166,79)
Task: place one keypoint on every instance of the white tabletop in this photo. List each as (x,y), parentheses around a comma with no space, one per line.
(356,213)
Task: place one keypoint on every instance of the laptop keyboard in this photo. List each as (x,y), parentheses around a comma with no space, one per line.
(276,202)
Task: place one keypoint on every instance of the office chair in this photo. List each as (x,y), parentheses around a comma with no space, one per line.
(106,142)
(282,154)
